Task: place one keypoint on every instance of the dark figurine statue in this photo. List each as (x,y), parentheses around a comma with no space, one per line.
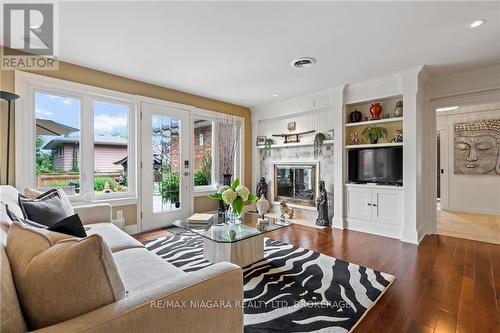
(322,206)
(261,188)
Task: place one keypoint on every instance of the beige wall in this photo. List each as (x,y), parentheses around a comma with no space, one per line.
(96,78)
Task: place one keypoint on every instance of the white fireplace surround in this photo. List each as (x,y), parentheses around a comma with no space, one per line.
(302,162)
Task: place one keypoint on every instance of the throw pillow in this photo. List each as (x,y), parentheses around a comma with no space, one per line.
(47,210)
(71,225)
(59,281)
(53,235)
(35,194)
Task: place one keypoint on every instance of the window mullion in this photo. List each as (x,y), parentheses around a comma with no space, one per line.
(87,149)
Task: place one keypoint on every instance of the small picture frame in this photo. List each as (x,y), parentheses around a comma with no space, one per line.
(261,140)
(291,126)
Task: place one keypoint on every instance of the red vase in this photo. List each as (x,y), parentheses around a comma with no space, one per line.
(375,111)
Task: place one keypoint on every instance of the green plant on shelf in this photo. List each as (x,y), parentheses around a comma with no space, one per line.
(318,144)
(267,147)
(374,133)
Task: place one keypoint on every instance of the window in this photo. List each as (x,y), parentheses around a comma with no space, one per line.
(110,148)
(82,140)
(57,120)
(203,153)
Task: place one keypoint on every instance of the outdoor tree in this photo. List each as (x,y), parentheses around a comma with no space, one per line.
(43,159)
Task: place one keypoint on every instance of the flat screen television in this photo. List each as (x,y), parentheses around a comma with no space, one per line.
(376,165)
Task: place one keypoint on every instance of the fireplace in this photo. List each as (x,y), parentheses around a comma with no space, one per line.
(295,183)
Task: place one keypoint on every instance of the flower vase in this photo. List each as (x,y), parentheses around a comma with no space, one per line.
(234,216)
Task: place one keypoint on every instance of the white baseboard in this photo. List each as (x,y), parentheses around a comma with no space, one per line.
(386,230)
(131,229)
(471,210)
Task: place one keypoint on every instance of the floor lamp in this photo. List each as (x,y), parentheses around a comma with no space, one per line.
(9,97)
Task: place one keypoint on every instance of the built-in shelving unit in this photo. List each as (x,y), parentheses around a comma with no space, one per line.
(376,209)
(296,144)
(388,120)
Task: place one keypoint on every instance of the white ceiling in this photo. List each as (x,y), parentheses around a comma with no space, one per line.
(241,52)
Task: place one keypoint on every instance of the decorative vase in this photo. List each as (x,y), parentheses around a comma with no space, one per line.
(375,111)
(227,178)
(355,116)
(234,216)
(398,110)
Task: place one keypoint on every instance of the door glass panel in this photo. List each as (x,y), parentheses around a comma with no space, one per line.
(166,163)
(57,145)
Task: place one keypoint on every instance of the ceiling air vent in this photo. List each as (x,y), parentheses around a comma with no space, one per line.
(304,62)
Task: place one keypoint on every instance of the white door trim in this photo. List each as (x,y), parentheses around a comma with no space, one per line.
(445,165)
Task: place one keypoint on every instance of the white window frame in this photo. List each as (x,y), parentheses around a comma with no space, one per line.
(200,191)
(27,85)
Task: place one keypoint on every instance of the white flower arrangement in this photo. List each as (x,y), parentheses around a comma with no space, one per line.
(234,195)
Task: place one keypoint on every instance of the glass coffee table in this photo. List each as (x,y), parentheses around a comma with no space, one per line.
(239,243)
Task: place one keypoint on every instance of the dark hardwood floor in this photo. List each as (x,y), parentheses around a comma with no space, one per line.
(445,284)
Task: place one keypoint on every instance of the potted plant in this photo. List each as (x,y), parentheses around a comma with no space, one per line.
(267,146)
(318,143)
(234,196)
(373,133)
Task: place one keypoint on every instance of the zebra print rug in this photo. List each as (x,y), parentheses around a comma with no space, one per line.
(292,289)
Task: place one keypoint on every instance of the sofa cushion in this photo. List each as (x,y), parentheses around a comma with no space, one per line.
(115,238)
(59,281)
(11,317)
(142,270)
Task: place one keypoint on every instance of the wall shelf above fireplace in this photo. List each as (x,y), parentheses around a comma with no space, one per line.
(298,144)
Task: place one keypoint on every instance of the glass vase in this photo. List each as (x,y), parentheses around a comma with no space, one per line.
(234,216)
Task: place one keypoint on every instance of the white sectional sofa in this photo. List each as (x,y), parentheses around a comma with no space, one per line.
(150,283)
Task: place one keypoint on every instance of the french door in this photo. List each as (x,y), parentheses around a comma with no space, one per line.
(165,169)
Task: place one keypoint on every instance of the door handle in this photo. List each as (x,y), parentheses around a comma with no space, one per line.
(369,204)
(442,171)
(374,205)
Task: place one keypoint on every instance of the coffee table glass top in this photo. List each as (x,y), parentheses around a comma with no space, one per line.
(225,232)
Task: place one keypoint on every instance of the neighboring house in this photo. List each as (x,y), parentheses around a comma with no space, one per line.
(107,150)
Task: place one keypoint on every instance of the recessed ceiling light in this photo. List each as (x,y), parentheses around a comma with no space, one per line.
(303,62)
(275,95)
(476,24)
(448,108)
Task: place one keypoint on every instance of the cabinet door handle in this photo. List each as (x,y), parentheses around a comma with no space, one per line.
(374,205)
(369,204)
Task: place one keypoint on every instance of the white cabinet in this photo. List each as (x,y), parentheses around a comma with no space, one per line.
(375,209)
(387,206)
(359,203)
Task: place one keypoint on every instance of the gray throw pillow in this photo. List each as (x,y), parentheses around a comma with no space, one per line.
(46,210)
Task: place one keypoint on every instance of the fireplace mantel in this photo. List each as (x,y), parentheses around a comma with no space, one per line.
(296,144)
